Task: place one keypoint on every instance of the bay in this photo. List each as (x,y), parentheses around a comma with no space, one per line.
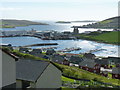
(86,46)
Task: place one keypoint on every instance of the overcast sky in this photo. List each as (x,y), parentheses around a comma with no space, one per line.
(59,9)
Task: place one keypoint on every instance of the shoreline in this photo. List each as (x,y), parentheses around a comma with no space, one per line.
(65,39)
(100,41)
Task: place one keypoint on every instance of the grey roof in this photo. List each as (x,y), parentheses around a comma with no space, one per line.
(50,51)
(57,58)
(30,70)
(23,49)
(37,50)
(88,63)
(116,70)
(75,59)
(89,55)
(37,54)
(102,61)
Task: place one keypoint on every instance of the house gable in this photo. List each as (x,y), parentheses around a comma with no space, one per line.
(49,77)
(8,69)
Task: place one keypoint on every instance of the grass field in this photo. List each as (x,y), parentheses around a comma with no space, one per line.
(108,37)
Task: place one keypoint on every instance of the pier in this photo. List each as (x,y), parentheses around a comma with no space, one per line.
(41,44)
(69,49)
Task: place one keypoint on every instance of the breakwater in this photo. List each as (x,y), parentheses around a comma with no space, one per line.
(41,44)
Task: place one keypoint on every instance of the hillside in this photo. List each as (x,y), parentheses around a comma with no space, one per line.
(8,23)
(113,23)
(105,37)
(70,71)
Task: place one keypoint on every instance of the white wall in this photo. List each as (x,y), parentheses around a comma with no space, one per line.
(8,70)
(0,68)
(51,78)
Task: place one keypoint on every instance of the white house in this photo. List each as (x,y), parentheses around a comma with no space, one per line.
(7,70)
(37,74)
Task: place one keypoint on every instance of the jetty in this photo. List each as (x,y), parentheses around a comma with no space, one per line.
(69,49)
(41,44)
(96,50)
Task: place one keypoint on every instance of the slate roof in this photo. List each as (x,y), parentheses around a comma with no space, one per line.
(89,55)
(75,59)
(30,70)
(57,58)
(37,50)
(102,61)
(87,63)
(116,70)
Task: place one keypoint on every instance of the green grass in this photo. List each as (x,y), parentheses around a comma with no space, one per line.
(66,88)
(67,79)
(105,21)
(108,37)
(24,55)
(82,74)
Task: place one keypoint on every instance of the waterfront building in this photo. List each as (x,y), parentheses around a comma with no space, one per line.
(75,31)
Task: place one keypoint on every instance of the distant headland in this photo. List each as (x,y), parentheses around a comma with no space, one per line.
(10,23)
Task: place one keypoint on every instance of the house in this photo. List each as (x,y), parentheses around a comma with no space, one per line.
(116,72)
(23,50)
(75,59)
(89,65)
(89,55)
(37,74)
(68,55)
(50,51)
(7,69)
(114,60)
(36,51)
(60,59)
(103,62)
(75,31)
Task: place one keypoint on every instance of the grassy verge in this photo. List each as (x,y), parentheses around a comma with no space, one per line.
(67,79)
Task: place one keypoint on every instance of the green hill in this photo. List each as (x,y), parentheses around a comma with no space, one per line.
(9,23)
(113,23)
(111,37)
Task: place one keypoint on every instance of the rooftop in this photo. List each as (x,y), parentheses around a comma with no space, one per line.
(30,70)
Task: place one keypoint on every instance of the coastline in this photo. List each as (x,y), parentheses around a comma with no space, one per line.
(69,39)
